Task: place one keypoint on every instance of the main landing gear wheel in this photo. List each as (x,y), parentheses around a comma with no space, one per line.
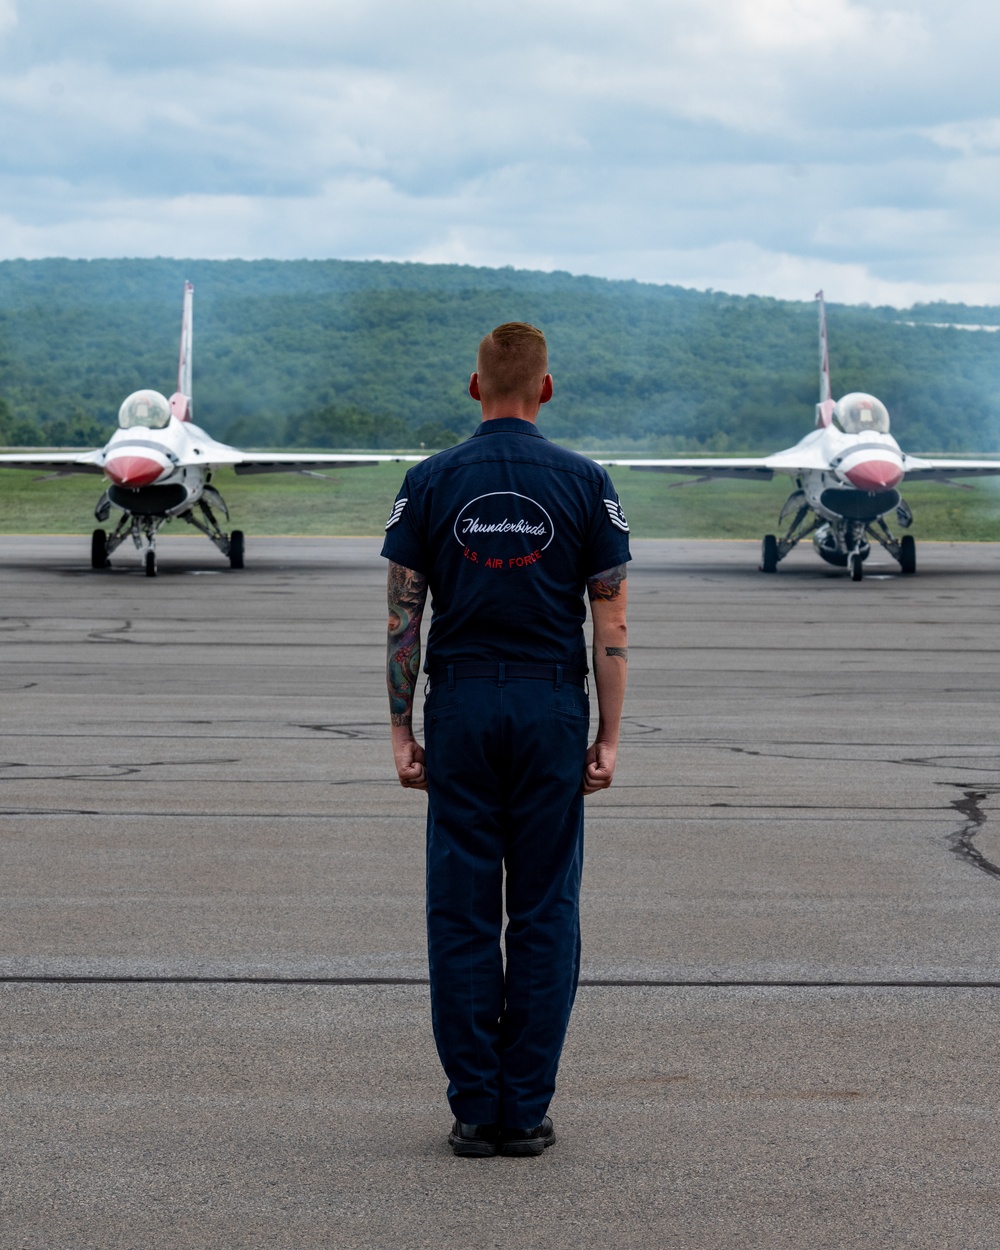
(236,549)
(99,550)
(856,565)
(769,554)
(150,562)
(908,554)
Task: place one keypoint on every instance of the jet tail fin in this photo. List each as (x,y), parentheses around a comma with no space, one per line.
(824,409)
(180,401)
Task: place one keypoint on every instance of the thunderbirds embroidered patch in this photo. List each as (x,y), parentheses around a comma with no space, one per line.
(615,513)
(396,513)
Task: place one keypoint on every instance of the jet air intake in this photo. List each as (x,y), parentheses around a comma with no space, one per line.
(859,505)
(148,500)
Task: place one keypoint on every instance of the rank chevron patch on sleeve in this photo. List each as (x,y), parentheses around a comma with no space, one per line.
(396,513)
(616,515)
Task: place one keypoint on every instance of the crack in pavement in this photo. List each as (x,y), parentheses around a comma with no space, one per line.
(925,761)
(110,633)
(100,771)
(960,843)
(944,761)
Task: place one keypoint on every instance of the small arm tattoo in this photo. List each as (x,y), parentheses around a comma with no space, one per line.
(406,595)
(621,652)
(607,585)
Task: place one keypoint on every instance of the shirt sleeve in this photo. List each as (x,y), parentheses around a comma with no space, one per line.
(404,543)
(607,544)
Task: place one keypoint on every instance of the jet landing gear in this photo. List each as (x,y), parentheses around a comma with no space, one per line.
(147,527)
(843,542)
(846,545)
(99,550)
(904,549)
(773,550)
(231,545)
(141,529)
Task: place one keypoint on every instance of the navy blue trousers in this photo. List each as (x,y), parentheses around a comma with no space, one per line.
(505,769)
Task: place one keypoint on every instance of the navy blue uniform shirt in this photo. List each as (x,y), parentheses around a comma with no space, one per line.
(507,528)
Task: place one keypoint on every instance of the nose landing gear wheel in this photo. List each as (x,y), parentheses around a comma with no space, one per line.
(769,554)
(856,565)
(150,562)
(236,549)
(99,550)
(908,554)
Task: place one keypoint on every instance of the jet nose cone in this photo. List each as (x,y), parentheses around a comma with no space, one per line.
(133,470)
(875,474)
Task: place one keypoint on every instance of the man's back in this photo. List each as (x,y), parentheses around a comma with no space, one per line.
(507,528)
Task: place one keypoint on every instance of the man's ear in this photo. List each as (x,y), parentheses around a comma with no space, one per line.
(546,394)
(474,387)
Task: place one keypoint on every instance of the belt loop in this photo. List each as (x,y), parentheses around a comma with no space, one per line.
(451,676)
(501,673)
(558,676)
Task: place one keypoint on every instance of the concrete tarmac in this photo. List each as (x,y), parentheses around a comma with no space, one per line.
(211,923)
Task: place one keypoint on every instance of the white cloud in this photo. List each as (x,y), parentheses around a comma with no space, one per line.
(969,138)
(882,229)
(715,142)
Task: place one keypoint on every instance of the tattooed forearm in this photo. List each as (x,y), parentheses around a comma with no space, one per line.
(406,594)
(600,653)
(607,585)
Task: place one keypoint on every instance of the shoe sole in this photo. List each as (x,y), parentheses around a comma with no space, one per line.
(527,1147)
(466,1149)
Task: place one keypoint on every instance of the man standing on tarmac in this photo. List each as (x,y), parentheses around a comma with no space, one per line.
(506,530)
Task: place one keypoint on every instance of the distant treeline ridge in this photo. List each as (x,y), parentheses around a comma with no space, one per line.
(371,354)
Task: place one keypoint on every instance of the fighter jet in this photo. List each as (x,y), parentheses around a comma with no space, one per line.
(159,465)
(848,474)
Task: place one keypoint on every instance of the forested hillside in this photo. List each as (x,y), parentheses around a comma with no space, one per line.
(352,354)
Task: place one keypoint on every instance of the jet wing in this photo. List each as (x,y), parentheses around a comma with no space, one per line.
(306,462)
(752,468)
(59,463)
(805,455)
(919,470)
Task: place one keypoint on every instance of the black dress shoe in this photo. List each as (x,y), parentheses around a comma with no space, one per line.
(474,1140)
(527,1141)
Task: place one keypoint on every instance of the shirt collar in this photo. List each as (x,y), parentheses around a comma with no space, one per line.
(508,425)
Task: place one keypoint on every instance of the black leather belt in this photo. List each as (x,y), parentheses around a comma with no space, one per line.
(501,671)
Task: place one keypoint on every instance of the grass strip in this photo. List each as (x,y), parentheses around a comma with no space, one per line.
(357,501)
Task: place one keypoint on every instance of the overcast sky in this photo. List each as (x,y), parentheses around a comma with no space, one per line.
(766,146)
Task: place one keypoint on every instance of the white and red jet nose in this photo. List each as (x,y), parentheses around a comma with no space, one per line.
(874,474)
(133,470)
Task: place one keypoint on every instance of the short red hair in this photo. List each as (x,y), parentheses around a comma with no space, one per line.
(512,362)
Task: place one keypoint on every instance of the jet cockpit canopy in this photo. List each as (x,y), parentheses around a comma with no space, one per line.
(144,410)
(858,414)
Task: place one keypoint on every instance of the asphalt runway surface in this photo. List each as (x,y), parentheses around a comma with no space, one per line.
(216,1030)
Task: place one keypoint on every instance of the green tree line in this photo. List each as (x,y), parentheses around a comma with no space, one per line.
(373,354)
